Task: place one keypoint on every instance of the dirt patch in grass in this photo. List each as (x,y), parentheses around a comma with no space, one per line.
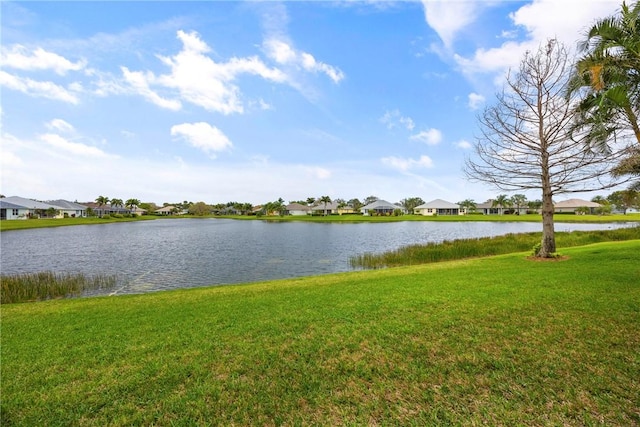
(550,259)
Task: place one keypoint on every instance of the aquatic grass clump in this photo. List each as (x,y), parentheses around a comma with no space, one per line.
(49,285)
(449,250)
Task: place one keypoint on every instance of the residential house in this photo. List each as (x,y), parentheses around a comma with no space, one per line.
(10,210)
(348,209)
(297,209)
(487,208)
(70,209)
(573,205)
(381,207)
(28,208)
(321,209)
(138,211)
(438,207)
(167,210)
(100,210)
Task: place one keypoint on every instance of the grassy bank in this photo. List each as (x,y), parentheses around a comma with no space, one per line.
(40,223)
(494,341)
(49,285)
(469,248)
(21,224)
(447,218)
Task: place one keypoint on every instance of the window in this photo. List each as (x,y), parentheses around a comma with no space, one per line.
(14,212)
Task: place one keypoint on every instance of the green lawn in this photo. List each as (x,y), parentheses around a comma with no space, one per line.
(40,223)
(488,341)
(20,224)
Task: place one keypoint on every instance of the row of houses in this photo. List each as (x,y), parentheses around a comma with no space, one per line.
(15,207)
(21,208)
(432,208)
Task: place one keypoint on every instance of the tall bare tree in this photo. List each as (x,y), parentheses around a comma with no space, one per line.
(524,143)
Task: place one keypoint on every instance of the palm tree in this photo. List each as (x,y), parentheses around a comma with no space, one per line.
(132,204)
(502,201)
(117,202)
(518,200)
(468,205)
(101,201)
(609,72)
(325,200)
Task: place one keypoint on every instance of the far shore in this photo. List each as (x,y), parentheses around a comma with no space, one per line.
(59,222)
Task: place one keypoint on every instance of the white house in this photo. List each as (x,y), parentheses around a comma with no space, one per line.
(438,207)
(572,205)
(298,209)
(10,210)
(28,208)
(70,209)
(381,207)
(320,209)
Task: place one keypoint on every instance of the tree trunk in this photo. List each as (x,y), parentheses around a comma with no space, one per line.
(548,244)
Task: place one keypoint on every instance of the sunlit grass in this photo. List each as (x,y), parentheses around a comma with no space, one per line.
(60,222)
(490,341)
(470,248)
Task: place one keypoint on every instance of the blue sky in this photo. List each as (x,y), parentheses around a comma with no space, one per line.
(253,101)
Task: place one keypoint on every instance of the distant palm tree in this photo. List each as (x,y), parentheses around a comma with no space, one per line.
(518,200)
(101,201)
(117,203)
(132,204)
(468,205)
(325,200)
(502,201)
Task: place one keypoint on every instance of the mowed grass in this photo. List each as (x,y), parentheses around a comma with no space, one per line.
(23,224)
(59,222)
(491,341)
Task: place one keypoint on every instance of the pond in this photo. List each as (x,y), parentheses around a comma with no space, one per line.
(179,253)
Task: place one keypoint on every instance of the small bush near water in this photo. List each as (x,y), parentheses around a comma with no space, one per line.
(48,285)
(469,248)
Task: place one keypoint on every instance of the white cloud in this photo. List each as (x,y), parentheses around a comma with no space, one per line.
(38,89)
(282,53)
(175,179)
(203,82)
(429,137)
(19,57)
(475,100)
(565,20)
(394,119)
(140,81)
(74,148)
(197,78)
(448,17)
(202,136)
(540,20)
(405,164)
(60,125)
(318,172)
(463,144)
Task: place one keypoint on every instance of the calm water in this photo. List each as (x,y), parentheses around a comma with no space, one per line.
(166,254)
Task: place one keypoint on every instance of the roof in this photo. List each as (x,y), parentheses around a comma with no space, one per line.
(166,209)
(320,206)
(65,204)
(9,205)
(29,203)
(380,204)
(298,207)
(576,203)
(438,204)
